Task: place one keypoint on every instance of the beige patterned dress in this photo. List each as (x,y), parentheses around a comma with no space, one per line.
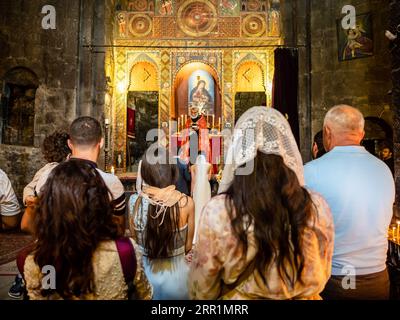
(219,259)
(108,276)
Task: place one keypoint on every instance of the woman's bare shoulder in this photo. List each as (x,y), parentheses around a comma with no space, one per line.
(186,202)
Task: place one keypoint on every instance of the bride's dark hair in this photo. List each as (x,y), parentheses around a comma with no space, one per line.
(272,200)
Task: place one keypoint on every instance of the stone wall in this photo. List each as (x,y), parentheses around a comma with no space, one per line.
(364,83)
(20,164)
(71,74)
(51,55)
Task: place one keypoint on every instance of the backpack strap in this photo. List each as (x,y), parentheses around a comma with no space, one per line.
(227,289)
(127,257)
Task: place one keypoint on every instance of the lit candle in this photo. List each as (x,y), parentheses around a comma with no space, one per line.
(112,170)
(107,121)
(213,121)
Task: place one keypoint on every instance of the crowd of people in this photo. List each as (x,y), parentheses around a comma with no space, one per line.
(276,230)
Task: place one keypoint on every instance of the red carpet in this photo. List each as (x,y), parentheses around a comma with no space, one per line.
(11,244)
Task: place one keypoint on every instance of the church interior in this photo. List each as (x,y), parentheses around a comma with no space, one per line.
(152,70)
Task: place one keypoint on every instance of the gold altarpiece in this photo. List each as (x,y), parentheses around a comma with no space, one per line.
(234,40)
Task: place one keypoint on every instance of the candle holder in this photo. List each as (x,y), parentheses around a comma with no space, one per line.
(106,143)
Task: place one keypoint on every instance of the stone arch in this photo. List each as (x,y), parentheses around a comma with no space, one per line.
(255,81)
(377,131)
(143,76)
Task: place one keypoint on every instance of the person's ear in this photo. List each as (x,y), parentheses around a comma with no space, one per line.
(101,143)
(327,138)
(70,145)
(314,150)
(362,136)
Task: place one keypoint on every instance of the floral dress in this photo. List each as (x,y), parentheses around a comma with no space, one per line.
(219,259)
(109,279)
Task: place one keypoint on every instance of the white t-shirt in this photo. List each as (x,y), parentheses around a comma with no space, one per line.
(112,182)
(9,205)
(38,180)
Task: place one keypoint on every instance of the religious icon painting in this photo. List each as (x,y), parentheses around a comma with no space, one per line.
(121,24)
(164,8)
(229,8)
(201,91)
(357,42)
(274,23)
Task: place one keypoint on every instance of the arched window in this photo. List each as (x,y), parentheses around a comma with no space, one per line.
(17,112)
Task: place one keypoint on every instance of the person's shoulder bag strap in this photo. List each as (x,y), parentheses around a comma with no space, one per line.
(227,289)
(127,257)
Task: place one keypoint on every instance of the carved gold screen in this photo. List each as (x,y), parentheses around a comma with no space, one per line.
(154,40)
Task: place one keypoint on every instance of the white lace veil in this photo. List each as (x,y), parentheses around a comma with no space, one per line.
(260,129)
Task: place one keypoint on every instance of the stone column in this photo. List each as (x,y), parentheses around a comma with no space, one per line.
(394,28)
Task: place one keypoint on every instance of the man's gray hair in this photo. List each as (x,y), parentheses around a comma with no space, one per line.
(344,118)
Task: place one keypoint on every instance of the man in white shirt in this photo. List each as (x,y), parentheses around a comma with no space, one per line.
(85,142)
(359,189)
(9,205)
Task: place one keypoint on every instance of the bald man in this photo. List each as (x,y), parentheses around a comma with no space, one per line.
(359,189)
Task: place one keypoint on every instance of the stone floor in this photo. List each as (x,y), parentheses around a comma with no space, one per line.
(8,272)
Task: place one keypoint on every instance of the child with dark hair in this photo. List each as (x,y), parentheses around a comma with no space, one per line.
(55,150)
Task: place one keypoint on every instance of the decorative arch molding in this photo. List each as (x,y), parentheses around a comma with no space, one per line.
(214,71)
(135,57)
(146,79)
(250,71)
(382,124)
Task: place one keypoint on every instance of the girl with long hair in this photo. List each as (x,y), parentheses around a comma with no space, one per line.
(265,236)
(77,236)
(162,220)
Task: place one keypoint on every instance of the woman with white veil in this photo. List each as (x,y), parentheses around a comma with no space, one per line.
(264,236)
(201,189)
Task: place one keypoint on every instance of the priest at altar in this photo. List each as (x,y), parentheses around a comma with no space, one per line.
(195,133)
